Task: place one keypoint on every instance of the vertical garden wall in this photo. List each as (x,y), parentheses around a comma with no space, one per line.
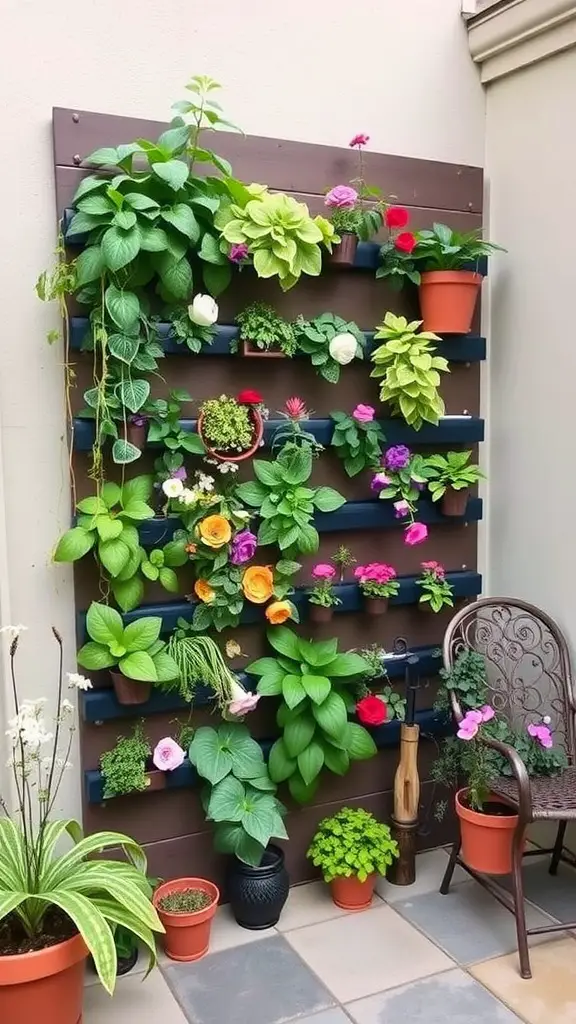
(169,821)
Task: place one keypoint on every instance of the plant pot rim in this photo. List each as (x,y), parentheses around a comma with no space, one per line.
(191,917)
(500,821)
(451,277)
(22,968)
(258,423)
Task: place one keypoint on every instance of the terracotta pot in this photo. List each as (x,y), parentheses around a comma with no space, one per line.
(227,457)
(486,838)
(137,435)
(187,935)
(46,986)
(130,691)
(448,299)
(375,605)
(351,894)
(344,253)
(251,351)
(453,502)
(319,613)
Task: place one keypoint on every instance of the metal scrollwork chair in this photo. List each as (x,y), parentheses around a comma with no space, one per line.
(529,676)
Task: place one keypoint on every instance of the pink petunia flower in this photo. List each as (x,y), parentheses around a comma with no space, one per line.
(359,140)
(363,413)
(167,755)
(401,509)
(542,734)
(487,713)
(323,571)
(341,197)
(416,533)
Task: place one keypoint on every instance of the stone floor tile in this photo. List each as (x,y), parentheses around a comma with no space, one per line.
(549,997)
(430,868)
(309,904)
(134,999)
(335,1016)
(468,923)
(554,894)
(366,952)
(450,998)
(260,983)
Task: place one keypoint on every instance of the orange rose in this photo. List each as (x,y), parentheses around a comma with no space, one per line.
(278,612)
(215,531)
(258,584)
(204,591)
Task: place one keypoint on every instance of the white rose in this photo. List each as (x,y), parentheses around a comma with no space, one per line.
(173,487)
(203,311)
(343,348)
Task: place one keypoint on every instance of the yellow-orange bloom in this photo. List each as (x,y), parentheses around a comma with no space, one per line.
(258,584)
(278,612)
(215,531)
(204,591)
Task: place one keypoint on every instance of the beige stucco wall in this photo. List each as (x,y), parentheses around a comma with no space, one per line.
(317,72)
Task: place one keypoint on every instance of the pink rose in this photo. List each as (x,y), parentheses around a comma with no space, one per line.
(167,755)
(416,533)
(363,413)
(322,571)
(342,197)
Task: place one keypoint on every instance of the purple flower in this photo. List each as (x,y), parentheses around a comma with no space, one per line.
(397,457)
(342,197)
(416,485)
(179,474)
(243,547)
(401,509)
(379,482)
(238,252)
(138,421)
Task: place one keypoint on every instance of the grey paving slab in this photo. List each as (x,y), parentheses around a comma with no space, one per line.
(260,983)
(335,1016)
(555,894)
(450,998)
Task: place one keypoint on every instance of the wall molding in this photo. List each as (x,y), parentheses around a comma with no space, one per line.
(518,33)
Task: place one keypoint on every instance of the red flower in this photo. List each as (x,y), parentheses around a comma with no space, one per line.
(249,397)
(360,140)
(405,242)
(371,711)
(396,217)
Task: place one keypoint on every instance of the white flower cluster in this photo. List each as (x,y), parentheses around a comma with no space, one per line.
(223,467)
(203,489)
(14,631)
(28,725)
(77,682)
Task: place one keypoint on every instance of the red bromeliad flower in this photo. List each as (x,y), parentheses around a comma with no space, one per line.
(295,409)
(360,140)
(371,710)
(405,242)
(396,217)
(249,397)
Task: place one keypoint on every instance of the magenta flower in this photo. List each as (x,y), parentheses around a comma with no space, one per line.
(238,252)
(137,420)
(435,569)
(167,755)
(487,713)
(360,140)
(397,457)
(323,571)
(375,572)
(363,413)
(244,547)
(341,197)
(401,509)
(542,734)
(379,482)
(469,725)
(416,533)
(295,409)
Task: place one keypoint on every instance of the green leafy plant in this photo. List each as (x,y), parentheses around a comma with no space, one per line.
(322,590)
(315,684)
(294,414)
(240,795)
(331,342)
(227,425)
(124,767)
(436,591)
(466,680)
(352,843)
(409,370)
(263,327)
(286,506)
(344,559)
(445,249)
(164,415)
(134,648)
(185,331)
(158,565)
(450,470)
(200,663)
(358,441)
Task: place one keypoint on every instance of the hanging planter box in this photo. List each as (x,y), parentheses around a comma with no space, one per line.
(251,351)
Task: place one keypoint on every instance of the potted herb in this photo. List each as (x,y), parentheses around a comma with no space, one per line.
(401,480)
(448,288)
(164,415)
(239,798)
(321,597)
(263,332)
(352,848)
(436,591)
(231,428)
(378,584)
(186,907)
(358,439)
(59,907)
(449,480)
(294,414)
(407,360)
(139,659)
(124,767)
(356,210)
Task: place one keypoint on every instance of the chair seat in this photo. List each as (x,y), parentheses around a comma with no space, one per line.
(553,798)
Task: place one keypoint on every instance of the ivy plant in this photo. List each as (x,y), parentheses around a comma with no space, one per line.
(315,684)
(314,338)
(409,371)
(124,767)
(285,505)
(134,648)
(164,415)
(357,442)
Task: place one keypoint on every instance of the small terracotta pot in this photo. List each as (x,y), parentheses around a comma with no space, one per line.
(251,351)
(351,894)
(187,935)
(258,424)
(137,435)
(344,253)
(320,613)
(375,605)
(130,691)
(453,503)
(448,299)
(486,838)
(46,986)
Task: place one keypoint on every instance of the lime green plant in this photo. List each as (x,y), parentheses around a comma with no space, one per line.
(451,470)
(226,424)
(352,843)
(124,767)
(134,648)
(409,371)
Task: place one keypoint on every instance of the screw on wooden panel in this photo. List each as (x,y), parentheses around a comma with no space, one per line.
(465,412)
(465,524)
(77,159)
(470,205)
(464,566)
(98,723)
(75,118)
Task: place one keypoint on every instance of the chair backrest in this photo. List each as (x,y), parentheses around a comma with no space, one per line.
(527,663)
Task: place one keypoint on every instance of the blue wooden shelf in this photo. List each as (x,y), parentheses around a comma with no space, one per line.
(450,430)
(465,584)
(457,348)
(102,706)
(185,777)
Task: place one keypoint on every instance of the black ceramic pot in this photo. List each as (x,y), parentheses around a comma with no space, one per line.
(257,895)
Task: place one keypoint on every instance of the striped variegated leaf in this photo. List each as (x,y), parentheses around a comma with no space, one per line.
(96,878)
(112,911)
(53,831)
(12,849)
(9,901)
(124,873)
(93,928)
(63,866)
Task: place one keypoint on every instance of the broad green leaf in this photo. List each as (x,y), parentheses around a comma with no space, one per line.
(227,800)
(337,761)
(110,494)
(89,184)
(359,744)
(302,793)
(296,467)
(93,928)
(140,202)
(206,754)
(138,666)
(246,754)
(216,278)
(74,544)
(120,247)
(105,157)
(114,555)
(284,641)
(327,499)
(124,452)
(129,593)
(318,653)
(123,348)
(104,624)
(293,690)
(317,687)
(177,278)
(133,393)
(332,716)
(310,762)
(168,579)
(173,172)
(280,765)
(166,668)
(137,510)
(252,493)
(140,635)
(92,506)
(94,657)
(348,664)
(298,734)
(89,265)
(123,307)
(182,218)
(138,489)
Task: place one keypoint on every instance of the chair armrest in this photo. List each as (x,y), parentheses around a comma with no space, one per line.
(518,771)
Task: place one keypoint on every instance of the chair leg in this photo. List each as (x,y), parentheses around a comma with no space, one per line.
(519,908)
(444,888)
(558,847)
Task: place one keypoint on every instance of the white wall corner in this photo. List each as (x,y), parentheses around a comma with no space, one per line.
(512,34)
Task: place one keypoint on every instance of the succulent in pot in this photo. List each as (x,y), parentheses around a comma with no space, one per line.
(449,480)
(321,597)
(378,584)
(232,428)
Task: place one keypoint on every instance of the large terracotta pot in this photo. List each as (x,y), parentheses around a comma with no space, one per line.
(187,935)
(258,424)
(46,986)
(351,893)
(486,838)
(130,691)
(453,503)
(448,299)
(344,252)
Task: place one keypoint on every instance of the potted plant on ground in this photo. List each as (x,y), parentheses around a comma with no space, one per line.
(186,907)
(450,479)
(57,908)
(352,848)
(231,428)
(436,591)
(358,439)
(264,333)
(321,597)
(139,659)
(410,371)
(378,584)
(356,210)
